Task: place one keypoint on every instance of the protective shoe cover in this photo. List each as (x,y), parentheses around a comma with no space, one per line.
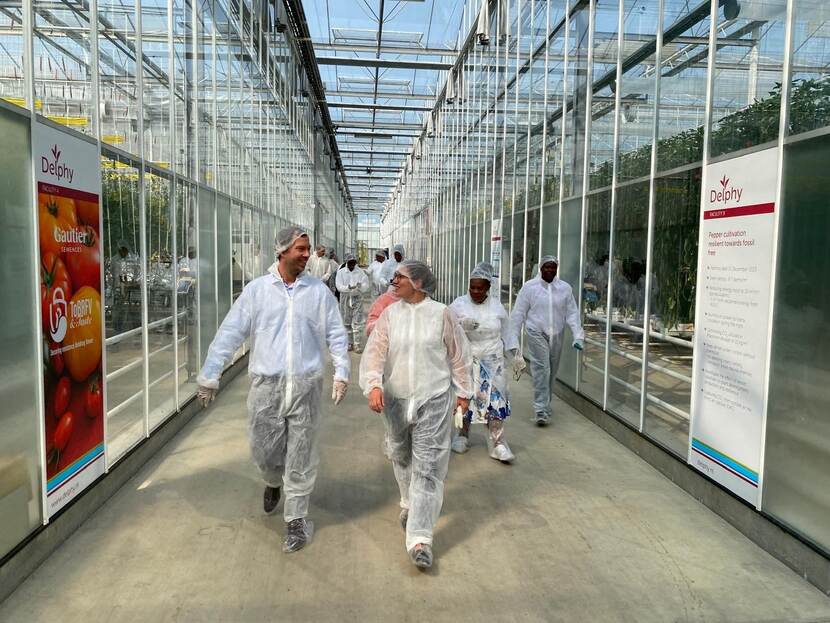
(420,455)
(288,333)
(497,447)
(270,499)
(298,534)
(544,308)
(544,353)
(422,556)
(403,518)
(460,444)
(415,353)
(283,434)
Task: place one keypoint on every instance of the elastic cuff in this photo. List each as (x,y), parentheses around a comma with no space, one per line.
(209,383)
(369,388)
(337,377)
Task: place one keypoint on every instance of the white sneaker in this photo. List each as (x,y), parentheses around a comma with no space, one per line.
(502,453)
(460,444)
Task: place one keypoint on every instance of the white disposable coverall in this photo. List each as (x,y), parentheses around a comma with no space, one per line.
(419,356)
(288,335)
(319,267)
(487,342)
(374,273)
(352,285)
(390,266)
(544,309)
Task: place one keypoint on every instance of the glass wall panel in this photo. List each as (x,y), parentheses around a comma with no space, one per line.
(746,99)
(120,106)
(124,308)
(187,290)
(594,289)
(160,266)
(606,44)
(156,104)
(674,276)
(223,254)
(206,200)
(21,456)
(628,279)
(810,89)
(797,455)
(569,272)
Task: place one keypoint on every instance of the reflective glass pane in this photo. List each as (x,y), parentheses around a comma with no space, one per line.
(187,290)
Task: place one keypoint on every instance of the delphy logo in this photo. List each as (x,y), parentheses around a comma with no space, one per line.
(55,167)
(726,193)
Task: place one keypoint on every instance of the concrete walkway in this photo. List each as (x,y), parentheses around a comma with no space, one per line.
(579,529)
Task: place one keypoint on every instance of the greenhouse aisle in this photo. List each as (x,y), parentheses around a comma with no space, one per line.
(578,529)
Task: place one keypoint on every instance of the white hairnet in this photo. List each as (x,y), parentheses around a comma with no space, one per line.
(286,237)
(548,258)
(380,252)
(483,270)
(350,257)
(398,248)
(419,274)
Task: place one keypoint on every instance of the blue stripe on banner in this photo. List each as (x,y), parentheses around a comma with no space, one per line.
(70,470)
(730,464)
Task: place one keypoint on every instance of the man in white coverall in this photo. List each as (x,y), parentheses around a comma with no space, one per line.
(390,266)
(288,316)
(374,270)
(352,283)
(319,265)
(544,306)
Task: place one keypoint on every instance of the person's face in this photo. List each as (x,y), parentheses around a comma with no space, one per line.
(398,256)
(297,254)
(403,285)
(321,252)
(191,253)
(548,271)
(479,289)
(380,258)
(351,264)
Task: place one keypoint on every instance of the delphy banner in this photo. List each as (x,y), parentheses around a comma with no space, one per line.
(737,239)
(69,225)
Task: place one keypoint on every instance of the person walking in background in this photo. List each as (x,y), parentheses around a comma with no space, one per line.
(391,265)
(352,283)
(544,306)
(319,265)
(374,273)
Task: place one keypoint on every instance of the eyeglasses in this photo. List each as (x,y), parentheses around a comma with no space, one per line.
(398,276)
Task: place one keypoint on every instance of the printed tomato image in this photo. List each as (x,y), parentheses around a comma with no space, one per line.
(63,431)
(54,213)
(55,358)
(79,437)
(55,290)
(93,397)
(84,260)
(63,393)
(83,336)
(87,212)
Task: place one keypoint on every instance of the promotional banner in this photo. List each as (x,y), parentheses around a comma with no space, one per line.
(69,220)
(495,246)
(737,238)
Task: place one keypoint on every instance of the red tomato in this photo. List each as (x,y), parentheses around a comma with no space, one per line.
(55,283)
(88,212)
(63,393)
(54,214)
(63,431)
(93,397)
(84,261)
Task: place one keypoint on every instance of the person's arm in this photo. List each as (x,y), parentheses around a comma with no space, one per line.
(327,273)
(363,283)
(381,303)
(336,339)
(572,317)
(234,329)
(373,363)
(459,356)
(517,319)
(505,327)
(340,281)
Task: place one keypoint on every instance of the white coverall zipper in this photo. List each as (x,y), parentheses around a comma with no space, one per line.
(289,382)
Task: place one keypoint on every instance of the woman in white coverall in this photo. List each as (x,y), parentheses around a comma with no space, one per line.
(544,306)
(352,283)
(289,317)
(373,272)
(484,321)
(416,370)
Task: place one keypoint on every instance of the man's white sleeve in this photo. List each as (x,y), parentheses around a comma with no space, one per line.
(232,332)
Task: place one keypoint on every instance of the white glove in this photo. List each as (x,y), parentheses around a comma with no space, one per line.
(469,324)
(205,395)
(519,365)
(338,392)
(579,345)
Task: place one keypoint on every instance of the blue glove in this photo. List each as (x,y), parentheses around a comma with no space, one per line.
(579,345)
